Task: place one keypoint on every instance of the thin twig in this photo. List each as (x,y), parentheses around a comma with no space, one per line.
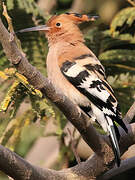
(73,146)
(8,18)
(9,21)
(131,2)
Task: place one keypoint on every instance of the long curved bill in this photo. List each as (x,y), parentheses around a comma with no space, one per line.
(37,28)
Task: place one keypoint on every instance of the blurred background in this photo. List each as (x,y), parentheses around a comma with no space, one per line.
(31,125)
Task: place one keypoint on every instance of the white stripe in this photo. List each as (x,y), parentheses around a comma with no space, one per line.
(74,70)
(107,111)
(100,117)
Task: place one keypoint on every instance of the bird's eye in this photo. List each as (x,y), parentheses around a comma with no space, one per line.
(58,24)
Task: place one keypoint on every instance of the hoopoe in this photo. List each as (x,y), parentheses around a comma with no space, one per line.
(76,72)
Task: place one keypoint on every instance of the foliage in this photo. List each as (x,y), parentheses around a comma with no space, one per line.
(114,46)
(122,26)
(28,5)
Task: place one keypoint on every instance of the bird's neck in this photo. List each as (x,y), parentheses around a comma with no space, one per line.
(72,38)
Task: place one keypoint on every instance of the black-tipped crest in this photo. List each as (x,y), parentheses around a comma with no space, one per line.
(82,17)
(75,14)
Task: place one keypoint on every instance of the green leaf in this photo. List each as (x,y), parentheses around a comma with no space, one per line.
(118,61)
(123,25)
(118,56)
(108,42)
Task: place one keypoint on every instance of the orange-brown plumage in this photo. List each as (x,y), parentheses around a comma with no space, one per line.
(68,31)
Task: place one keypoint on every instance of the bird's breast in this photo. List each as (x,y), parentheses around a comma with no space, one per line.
(60,83)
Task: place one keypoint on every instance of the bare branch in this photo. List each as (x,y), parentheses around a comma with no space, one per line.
(19,169)
(73,146)
(130,114)
(125,166)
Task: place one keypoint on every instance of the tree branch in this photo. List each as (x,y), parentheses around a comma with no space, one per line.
(130,114)
(19,169)
(125,166)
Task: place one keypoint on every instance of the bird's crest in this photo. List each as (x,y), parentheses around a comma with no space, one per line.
(74,17)
(79,18)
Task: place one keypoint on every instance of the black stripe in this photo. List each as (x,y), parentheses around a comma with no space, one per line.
(112,99)
(86,109)
(67,13)
(108,87)
(75,14)
(119,119)
(116,131)
(66,65)
(78,15)
(76,81)
(83,56)
(98,85)
(95,67)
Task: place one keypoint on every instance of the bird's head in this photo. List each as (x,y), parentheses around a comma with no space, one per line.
(62,26)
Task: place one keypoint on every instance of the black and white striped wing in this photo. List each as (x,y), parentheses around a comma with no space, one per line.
(87,80)
(91,83)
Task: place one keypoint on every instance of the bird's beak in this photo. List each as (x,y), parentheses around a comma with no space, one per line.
(37,28)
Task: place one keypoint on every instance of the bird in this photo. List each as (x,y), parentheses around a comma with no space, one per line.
(77,73)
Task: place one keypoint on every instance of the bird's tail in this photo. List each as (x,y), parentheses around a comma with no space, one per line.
(114,141)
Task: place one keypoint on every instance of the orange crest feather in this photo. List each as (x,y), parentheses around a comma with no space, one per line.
(79,18)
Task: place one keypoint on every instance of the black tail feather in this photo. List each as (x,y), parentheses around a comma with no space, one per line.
(116,154)
(119,119)
(116,131)
(114,136)
(122,124)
